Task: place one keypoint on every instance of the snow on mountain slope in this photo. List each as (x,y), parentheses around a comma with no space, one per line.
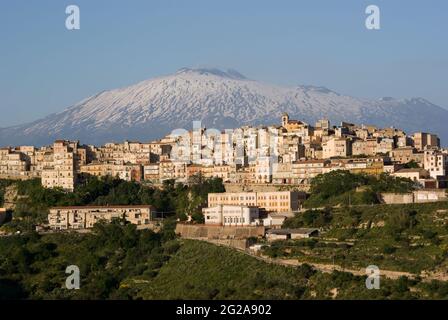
(221,99)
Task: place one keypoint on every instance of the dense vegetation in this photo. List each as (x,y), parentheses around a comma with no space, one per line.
(203,271)
(33,266)
(118,262)
(172,199)
(409,238)
(342,187)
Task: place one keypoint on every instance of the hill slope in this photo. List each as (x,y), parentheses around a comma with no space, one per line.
(200,270)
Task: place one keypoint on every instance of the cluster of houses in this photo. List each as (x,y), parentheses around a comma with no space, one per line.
(291,153)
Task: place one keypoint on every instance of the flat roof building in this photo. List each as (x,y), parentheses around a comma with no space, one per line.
(228,215)
(275,201)
(85,217)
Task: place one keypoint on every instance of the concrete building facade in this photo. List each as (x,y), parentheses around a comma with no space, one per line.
(85,217)
(228,215)
(276,201)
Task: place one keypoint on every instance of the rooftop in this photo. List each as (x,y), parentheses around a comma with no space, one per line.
(104,207)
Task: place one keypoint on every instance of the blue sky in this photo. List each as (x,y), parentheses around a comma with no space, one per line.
(45,68)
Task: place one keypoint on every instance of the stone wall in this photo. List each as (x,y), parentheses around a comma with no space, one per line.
(418,196)
(422,196)
(396,198)
(241,244)
(195,231)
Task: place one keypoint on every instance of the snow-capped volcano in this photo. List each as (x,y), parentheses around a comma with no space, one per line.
(220,99)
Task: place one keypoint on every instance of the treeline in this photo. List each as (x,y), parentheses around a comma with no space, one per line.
(33,266)
(172,199)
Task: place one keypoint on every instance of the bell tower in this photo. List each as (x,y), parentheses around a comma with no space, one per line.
(285,119)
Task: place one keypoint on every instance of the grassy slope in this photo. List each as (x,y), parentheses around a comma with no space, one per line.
(203,271)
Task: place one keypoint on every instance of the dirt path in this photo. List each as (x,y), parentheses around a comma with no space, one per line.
(328,268)
(426,276)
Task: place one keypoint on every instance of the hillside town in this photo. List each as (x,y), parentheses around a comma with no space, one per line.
(291,153)
(251,158)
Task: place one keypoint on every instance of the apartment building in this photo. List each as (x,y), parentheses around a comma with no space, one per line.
(305,170)
(85,217)
(245,175)
(436,163)
(404,155)
(336,147)
(282,173)
(323,124)
(176,170)
(225,172)
(43,158)
(263,170)
(384,146)
(424,139)
(275,201)
(127,172)
(61,171)
(366,147)
(167,170)
(13,164)
(371,166)
(151,172)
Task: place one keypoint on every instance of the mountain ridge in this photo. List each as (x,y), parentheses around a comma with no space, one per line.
(219,98)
